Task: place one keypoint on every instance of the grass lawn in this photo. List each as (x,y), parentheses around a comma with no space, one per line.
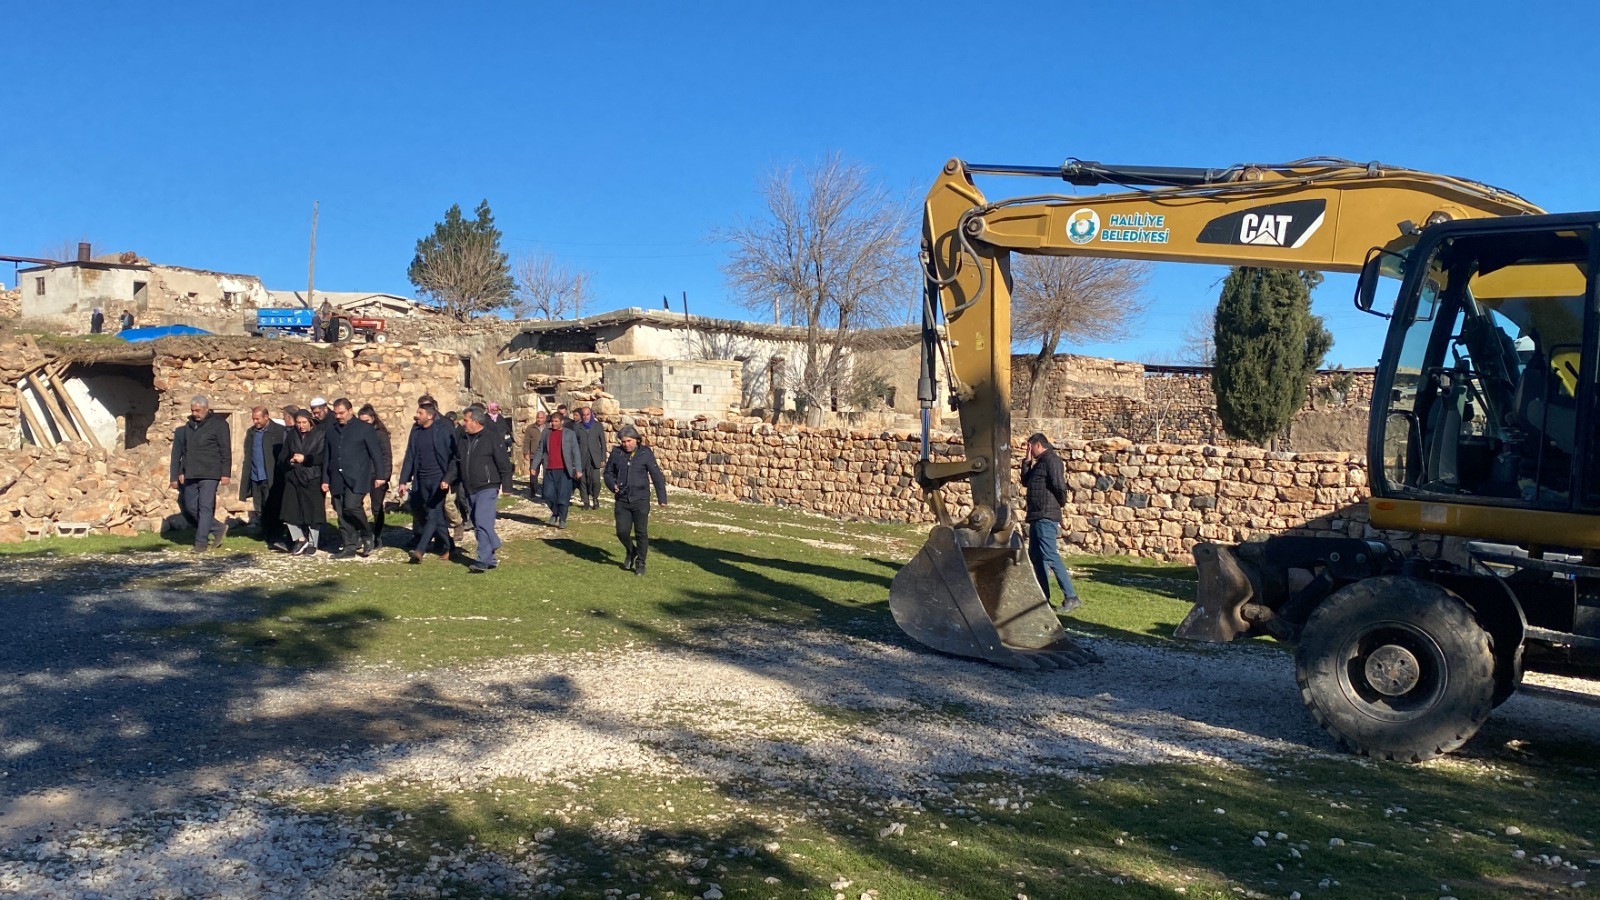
(1336,826)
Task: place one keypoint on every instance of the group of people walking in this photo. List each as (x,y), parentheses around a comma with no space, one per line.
(296,466)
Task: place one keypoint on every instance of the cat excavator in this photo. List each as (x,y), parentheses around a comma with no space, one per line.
(1482,435)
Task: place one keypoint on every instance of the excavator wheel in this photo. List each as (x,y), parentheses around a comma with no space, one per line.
(1396,668)
(982,602)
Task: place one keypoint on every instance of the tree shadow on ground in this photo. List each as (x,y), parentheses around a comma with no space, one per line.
(121,668)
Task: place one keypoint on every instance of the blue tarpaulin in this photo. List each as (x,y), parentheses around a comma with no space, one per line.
(149,334)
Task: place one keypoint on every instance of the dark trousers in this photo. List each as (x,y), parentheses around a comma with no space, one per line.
(351,510)
(591,487)
(430,500)
(378,494)
(200,508)
(482,503)
(265,501)
(633,528)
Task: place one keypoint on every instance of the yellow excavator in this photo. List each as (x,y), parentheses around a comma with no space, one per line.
(1483,427)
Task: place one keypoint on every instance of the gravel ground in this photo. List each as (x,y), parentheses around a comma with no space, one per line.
(133,769)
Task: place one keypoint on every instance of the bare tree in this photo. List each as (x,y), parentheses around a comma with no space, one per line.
(1199,344)
(547,289)
(1071,298)
(832,254)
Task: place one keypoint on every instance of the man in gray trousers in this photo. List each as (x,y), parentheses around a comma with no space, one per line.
(202,457)
(592,447)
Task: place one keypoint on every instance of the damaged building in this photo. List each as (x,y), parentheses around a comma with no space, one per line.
(87,428)
(62,295)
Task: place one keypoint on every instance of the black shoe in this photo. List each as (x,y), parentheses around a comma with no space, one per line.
(366,548)
(306,548)
(638,568)
(477,569)
(344,553)
(278,547)
(214,541)
(1070,604)
(414,557)
(630,562)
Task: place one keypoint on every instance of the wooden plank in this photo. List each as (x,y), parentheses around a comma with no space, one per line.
(52,408)
(41,435)
(54,378)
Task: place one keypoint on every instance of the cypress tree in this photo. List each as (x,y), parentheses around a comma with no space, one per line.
(1268,346)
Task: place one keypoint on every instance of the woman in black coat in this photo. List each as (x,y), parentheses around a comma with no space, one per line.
(385,469)
(305,452)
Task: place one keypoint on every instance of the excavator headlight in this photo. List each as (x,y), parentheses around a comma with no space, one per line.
(1439,218)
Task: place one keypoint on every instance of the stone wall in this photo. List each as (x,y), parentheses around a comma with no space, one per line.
(126,490)
(1155,500)
(1172,404)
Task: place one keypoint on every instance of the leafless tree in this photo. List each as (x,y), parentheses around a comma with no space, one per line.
(832,254)
(1199,345)
(547,289)
(1071,298)
(466,276)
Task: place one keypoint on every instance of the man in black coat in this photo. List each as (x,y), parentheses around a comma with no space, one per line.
(629,474)
(1044,486)
(350,475)
(258,473)
(481,469)
(429,464)
(202,457)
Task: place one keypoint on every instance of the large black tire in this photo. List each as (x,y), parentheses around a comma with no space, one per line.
(1396,668)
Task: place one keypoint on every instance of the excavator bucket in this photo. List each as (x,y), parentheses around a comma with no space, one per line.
(982,602)
(1226,586)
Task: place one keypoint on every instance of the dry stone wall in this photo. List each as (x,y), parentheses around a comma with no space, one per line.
(124,491)
(1155,500)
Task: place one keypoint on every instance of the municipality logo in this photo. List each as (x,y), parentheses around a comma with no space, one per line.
(1082,226)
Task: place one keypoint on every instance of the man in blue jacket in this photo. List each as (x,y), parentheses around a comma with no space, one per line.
(350,475)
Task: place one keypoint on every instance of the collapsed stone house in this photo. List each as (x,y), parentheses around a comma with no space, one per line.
(62,295)
(86,429)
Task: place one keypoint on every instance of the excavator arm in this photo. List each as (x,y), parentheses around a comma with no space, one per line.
(970,591)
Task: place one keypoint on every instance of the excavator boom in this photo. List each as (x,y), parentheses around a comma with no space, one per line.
(970,591)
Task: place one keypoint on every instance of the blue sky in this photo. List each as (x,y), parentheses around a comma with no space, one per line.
(619,136)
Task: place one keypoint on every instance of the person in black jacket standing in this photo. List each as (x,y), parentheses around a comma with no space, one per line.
(1045,489)
(592,447)
(261,476)
(426,470)
(380,488)
(202,457)
(481,469)
(354,458)
(629,473)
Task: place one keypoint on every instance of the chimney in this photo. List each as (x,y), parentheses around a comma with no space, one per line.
(83,251)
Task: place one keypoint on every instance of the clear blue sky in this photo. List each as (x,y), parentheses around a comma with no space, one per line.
(618,136)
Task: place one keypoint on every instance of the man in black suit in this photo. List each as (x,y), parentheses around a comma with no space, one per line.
(258,474)
(350,475)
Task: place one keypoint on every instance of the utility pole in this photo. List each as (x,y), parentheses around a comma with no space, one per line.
(311,274)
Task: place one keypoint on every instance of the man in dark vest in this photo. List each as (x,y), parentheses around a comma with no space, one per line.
(258,474)
(350,475)
(202,457)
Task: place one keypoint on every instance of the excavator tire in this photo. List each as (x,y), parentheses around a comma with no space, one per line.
(1396,668)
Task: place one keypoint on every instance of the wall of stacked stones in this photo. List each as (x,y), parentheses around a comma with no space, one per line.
(125,491)
(1155,500)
